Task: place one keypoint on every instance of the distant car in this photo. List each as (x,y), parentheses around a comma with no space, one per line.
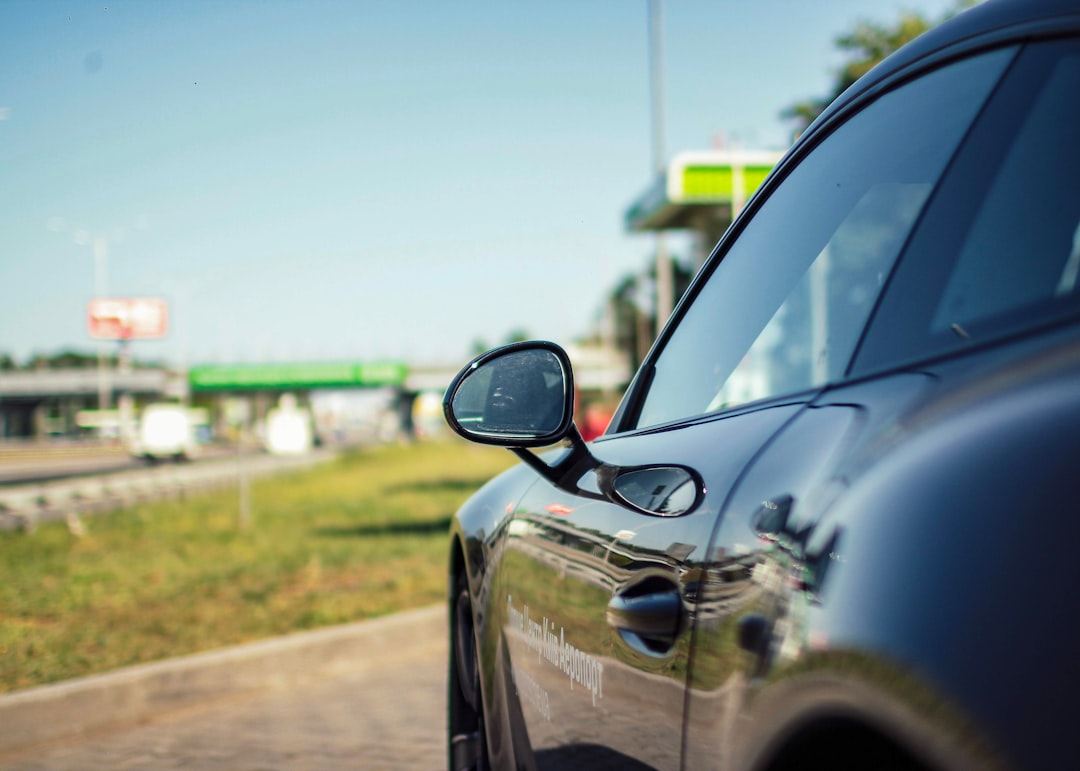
(165,432)
(834,522)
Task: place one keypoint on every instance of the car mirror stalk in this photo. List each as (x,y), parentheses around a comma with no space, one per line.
(521,396)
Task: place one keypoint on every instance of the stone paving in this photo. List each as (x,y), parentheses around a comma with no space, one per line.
(387,712)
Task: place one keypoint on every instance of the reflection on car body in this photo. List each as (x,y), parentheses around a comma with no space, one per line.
(797,543)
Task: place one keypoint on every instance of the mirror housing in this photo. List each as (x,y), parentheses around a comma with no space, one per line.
(521,396)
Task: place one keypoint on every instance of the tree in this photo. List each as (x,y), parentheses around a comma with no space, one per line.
(634,314)
(518,335)
(75,359)
(867,44)
(69,359)
(480,346)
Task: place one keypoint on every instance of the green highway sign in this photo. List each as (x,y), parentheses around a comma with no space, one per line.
(255,377)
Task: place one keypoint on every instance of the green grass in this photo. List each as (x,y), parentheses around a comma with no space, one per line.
(362,536)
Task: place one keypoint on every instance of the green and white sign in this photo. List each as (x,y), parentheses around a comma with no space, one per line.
(255,377)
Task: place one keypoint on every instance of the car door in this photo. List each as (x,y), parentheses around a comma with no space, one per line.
(598,604)
(600,601)
(983,268)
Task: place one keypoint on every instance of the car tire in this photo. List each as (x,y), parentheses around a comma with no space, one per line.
(467,739)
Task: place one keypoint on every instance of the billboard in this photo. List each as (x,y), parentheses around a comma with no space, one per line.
(124,318)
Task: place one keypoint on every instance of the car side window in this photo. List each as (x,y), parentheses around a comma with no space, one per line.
(999,250)
(783,310)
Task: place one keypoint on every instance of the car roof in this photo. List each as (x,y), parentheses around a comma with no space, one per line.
(989,23)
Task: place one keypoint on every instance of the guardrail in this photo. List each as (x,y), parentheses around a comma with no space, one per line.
(24,506)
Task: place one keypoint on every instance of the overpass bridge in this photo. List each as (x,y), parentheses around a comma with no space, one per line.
(49,402)
(64,403)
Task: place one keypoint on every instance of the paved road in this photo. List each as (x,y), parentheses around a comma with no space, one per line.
(27,462)
(23,470)
(383,712)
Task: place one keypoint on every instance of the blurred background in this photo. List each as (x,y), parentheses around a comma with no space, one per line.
(294,221)
(262,237)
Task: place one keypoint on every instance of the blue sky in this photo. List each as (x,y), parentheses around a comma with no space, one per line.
(364,180)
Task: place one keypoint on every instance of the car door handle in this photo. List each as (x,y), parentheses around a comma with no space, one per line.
(649,616)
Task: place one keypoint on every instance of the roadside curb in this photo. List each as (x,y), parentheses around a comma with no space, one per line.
(139,693)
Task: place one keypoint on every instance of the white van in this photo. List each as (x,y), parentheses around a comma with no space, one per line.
(166,431)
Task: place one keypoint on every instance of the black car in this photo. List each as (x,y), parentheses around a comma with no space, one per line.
(834,521)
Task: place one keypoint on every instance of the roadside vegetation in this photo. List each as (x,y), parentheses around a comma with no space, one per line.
(362,536)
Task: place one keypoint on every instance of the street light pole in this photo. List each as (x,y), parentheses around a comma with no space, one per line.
(665,282)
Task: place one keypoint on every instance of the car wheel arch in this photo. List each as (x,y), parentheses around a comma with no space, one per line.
(841,743)
(843,721)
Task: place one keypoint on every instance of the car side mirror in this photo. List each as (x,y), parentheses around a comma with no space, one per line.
(521,396)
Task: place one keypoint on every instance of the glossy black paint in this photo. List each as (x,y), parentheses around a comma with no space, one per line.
(880,573)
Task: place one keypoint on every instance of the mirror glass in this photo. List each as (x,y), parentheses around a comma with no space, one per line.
(665,491)
(521,394)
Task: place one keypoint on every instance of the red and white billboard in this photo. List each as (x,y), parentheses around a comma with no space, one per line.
(124,318)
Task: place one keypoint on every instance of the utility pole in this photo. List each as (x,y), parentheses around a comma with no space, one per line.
(99,246)
(101,290)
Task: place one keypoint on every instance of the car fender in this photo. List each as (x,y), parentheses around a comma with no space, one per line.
(967,521)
